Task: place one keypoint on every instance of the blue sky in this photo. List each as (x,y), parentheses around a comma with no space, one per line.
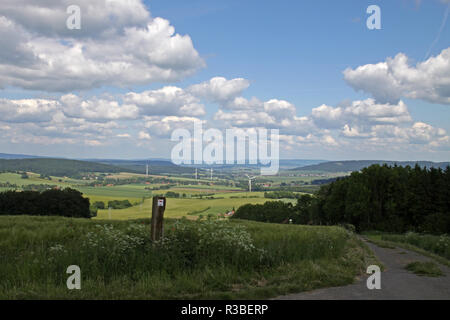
(297,50)
(289,51)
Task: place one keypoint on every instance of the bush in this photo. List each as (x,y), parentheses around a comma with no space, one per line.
(99,205)
(348,226)
(272,211)
(119,204)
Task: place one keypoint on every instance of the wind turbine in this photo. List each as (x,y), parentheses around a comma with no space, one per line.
(250,182)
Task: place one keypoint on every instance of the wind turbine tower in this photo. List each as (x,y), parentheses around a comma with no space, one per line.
(196,174)
(146,170)
(211,173)
(250,182)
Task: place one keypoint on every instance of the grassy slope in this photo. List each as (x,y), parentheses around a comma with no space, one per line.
(304,258)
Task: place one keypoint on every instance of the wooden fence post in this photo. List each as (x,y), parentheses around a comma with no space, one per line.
(158,208)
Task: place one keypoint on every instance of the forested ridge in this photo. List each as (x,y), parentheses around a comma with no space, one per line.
(56,167)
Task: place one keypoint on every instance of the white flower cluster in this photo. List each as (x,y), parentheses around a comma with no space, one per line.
(57,248)
(444,242)
(215,234)
(115,241)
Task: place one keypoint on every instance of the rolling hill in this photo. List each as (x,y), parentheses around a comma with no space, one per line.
(56,167)
(155,166)
(16,156)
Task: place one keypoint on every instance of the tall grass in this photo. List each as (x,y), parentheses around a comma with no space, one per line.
(439,245)
(196,259)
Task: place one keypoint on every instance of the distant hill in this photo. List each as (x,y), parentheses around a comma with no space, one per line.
(356,165)
(16,156)
(66,167)
(57,167)
(285,164)
(155,166)
(288,164)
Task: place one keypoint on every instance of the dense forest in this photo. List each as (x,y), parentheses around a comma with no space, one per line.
(384,198)
(67,203)
(56,167)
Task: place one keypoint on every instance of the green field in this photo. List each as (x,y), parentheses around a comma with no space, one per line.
(15,178)
(121,192)
(199,260)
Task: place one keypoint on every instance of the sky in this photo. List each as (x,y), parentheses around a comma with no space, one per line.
(137,70)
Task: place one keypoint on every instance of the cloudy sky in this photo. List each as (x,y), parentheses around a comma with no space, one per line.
(137,70)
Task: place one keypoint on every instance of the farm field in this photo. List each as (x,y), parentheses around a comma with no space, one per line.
(131,192)
(118,261)
(189,204)
(177,208)
(34,178)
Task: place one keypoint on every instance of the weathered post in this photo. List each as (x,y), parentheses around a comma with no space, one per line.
(159,205)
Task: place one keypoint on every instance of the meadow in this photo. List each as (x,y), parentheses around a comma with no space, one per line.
(206,259)
(199,258)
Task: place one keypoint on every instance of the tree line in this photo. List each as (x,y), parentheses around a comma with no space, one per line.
(67,203)
(384,198)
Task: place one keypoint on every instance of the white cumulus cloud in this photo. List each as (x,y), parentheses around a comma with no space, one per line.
(166,101)
(119,44)
(395,78)
(220,89)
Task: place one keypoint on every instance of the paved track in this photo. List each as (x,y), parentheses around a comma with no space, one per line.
(396,282)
